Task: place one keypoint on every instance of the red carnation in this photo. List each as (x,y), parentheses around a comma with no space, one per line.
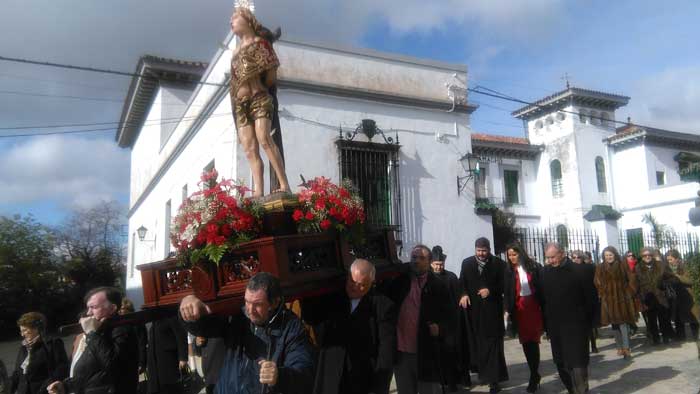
(297,215)
(309,216)
(325,224)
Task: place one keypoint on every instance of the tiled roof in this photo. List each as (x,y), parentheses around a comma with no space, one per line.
(631,133)
(581,96)
(500,138)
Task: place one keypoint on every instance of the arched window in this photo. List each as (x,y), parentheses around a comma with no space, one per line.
(582,115)
(560,116)
(600,175)
(538,125)
(563,236)
(549,121)
(555,174)
(594,117)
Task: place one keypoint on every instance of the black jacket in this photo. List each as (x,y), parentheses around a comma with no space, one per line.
(47,364)
(356,348)
(168,346)
(247,344)
(109,363)
(486,314)
(568,308)
(509,289)
(434,308)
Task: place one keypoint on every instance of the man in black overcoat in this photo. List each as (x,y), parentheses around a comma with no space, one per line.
(356,333)
(568,295)
(452,360)
(482,278)
(422,301)
(167,355)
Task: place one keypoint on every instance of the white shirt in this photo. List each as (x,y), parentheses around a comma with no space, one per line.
(524,284)
(78,352)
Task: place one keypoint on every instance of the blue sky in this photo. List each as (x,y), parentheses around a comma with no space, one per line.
(644,49)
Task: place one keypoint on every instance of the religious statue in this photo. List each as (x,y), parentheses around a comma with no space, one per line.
(254,96)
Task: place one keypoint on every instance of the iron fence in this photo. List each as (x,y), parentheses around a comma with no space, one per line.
(635,239)
(534,240)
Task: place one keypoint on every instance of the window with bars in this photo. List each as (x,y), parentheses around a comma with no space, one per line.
(510,180)
(374,169)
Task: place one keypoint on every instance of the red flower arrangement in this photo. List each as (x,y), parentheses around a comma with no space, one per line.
(325,205)
(215,219)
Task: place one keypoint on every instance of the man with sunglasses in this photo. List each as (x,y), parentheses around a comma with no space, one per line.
(422,301)
(356,333)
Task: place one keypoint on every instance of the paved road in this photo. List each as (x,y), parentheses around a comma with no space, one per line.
(669,369)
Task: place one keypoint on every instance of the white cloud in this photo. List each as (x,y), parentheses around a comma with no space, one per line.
(72,171)
(341,20)
(669,99)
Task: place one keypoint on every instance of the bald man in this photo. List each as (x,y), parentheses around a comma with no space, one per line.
(355,330)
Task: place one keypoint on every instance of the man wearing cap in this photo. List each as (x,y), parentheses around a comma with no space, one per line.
(453,361)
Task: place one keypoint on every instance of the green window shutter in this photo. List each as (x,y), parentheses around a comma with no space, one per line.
(510,179)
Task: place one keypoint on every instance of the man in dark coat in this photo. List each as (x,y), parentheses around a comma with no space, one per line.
(452,360)
(213,353)
(568,295)
(356,332)
(107,359)
(482,279)
(267,345)
(167,355)
(423,314)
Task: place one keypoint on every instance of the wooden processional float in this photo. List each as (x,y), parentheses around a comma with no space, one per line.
(307,265)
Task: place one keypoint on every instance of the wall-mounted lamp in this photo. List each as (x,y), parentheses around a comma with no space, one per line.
(141,231)
(470,165)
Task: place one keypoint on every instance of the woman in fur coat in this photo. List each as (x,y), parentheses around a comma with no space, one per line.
(617,287)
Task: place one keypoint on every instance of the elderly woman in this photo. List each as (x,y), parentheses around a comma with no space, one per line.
(684,310)
(652,277)
(40,360)
(617,288)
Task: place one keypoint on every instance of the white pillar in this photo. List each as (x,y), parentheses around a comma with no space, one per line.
(608,234)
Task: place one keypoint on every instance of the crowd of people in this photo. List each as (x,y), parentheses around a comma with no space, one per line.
(429,328)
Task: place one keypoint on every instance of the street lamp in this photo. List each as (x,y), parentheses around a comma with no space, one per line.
(470,165)
(141,231)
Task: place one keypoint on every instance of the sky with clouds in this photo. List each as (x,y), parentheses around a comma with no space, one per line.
(644,49)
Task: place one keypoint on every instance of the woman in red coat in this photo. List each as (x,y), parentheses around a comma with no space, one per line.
(523,303)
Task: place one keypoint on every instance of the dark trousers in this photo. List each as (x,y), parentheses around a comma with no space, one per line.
(592,337)
(656,318)
(406,374)
(532,355)
(680,329)
(575,379)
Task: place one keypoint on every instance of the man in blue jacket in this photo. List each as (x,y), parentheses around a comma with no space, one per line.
(267,344)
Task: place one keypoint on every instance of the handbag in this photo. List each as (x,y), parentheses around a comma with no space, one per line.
(670,292)
(190,382)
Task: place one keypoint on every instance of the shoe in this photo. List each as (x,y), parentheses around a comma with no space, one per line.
(494,388)
(626,354)
(534,384)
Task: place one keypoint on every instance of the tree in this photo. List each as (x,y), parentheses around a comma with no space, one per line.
(30,279)
(92,248)
(658,230)
(503,230)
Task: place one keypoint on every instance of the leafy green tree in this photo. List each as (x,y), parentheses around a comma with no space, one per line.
(30,279)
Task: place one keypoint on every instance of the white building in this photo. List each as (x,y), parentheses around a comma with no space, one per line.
(409,170)
(576,169)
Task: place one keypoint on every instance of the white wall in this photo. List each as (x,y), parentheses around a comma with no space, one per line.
(432,212)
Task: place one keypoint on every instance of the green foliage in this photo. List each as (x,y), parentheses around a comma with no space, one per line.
(693,265)
(503,230)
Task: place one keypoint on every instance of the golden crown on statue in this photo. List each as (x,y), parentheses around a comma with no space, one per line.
(245,4)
